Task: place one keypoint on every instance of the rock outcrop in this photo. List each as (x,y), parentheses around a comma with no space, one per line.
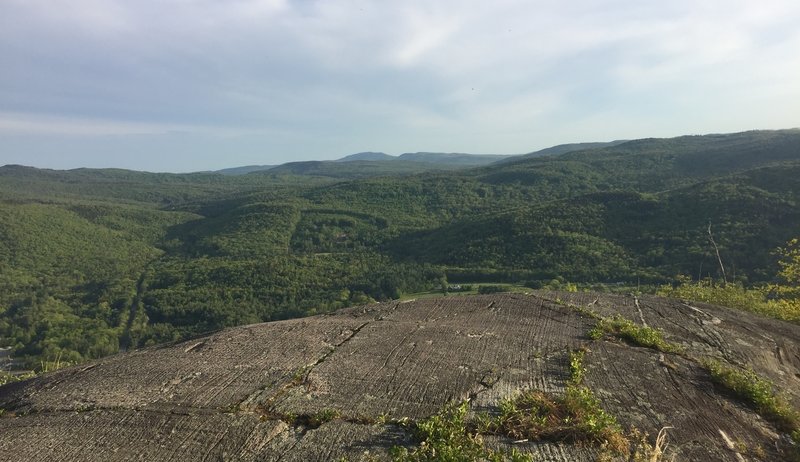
(339,385)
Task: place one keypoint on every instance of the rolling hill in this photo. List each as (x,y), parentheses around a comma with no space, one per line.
(371,156)
(368,164)
(142,258)
(244,170)
(472,160)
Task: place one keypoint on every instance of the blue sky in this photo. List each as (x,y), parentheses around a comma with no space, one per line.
(187,85)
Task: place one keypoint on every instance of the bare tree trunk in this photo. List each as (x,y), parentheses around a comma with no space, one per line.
(719,258)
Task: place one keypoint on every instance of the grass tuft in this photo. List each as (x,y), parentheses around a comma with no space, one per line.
(629,331)
(643,451)
(574,417)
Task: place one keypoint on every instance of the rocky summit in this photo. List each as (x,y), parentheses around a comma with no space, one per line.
(356,384)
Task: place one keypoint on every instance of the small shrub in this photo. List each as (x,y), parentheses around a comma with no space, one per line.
(535,284)
(575,416)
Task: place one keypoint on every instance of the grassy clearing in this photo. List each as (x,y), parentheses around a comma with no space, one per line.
(627,330)
(759,393)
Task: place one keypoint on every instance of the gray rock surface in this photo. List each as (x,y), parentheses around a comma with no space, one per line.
(252,392)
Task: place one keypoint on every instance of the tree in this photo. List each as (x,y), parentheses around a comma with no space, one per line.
(789,272)
(443,284)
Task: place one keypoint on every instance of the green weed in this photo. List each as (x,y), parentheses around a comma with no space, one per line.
(576,369)
(446,437)
(54,364)
(323,416)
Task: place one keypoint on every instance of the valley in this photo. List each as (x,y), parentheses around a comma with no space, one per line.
(95,261)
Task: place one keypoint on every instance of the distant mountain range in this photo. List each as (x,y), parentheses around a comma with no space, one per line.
(565,148)
(244,170)
(367,164)
(370,156)
(371,163)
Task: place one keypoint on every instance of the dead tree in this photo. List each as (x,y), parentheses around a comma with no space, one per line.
(719,258)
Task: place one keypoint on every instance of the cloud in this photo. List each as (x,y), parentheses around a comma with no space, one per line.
(474,73)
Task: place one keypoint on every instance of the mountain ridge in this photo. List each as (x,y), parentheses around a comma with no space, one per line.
(213,251)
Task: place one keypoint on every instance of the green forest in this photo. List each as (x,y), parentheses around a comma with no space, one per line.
(93,262)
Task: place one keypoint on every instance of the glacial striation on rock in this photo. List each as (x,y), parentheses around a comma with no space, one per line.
(346,385)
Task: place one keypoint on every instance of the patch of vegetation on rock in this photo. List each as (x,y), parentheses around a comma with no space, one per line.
(757,392)
(627,330)
(445,436)
(6,377)
(756,300)
(575,416)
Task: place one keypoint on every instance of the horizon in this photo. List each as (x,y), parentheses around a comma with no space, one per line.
(396,156)
(176,86)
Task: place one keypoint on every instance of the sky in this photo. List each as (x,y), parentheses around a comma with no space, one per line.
(190,85)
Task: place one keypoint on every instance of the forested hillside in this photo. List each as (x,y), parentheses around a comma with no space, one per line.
(94,261)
